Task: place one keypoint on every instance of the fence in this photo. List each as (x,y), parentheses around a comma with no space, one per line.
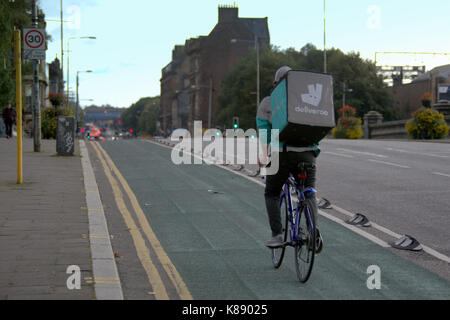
(390,129)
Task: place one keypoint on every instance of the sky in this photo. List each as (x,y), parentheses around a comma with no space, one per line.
(135,38)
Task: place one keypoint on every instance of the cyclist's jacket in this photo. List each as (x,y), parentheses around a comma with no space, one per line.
(264,121)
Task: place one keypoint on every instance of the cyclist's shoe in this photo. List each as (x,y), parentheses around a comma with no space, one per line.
(275,242)
(319,242)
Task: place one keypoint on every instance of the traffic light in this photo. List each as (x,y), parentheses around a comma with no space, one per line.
(235,122)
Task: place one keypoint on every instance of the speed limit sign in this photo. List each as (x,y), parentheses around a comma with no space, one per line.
(34,43)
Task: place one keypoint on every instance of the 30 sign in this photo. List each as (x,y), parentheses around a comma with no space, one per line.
(34,43)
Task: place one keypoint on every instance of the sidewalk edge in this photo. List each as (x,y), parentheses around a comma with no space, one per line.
(105,274)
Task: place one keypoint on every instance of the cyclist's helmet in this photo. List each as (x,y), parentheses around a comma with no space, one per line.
(281,72)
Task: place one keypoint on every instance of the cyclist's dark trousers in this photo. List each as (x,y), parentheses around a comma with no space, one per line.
(288,164)
(8,125)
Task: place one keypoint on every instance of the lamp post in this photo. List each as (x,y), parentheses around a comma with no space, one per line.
(62,48)
(78,101)
(68,55)
(344,90)
(324,39)
(257,65)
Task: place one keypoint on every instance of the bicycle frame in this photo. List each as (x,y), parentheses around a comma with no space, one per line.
(294,219)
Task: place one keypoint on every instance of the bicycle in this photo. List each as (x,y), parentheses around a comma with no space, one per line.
(299,223)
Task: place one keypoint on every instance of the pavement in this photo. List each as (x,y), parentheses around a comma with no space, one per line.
(44,227)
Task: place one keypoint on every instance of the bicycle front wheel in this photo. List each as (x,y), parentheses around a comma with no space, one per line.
(278,253)
(305,248)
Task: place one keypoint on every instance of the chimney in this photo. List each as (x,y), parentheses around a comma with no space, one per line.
(228,13)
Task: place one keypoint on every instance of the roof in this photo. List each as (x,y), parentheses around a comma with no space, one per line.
(442,72)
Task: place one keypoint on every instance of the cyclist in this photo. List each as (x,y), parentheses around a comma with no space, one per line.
(290,157)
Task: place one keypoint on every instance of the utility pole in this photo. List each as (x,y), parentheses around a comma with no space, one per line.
(324,39)
(62,50)
(35,90)
(77,116)
(257,72)
(77,106)
(343,95)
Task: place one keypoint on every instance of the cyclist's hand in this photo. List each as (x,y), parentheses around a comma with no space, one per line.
(263,161)
(260,164)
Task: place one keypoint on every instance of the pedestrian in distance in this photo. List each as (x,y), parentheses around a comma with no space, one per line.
(9,116)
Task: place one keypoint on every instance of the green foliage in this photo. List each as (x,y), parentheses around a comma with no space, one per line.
(142,116)
(6,72)
(237,98)
(427,124)
(49,117)
(13,14)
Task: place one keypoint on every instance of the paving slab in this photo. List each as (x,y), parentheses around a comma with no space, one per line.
(42,224)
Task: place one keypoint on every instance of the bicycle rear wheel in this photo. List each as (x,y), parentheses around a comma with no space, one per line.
(278,253)
(305,248)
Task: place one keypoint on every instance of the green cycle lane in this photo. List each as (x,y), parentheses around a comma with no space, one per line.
(216,240)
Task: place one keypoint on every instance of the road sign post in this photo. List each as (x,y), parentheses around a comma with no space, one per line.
(34,49)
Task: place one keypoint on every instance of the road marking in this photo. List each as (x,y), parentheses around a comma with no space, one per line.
(104,254)
(366,235)
(441,174)
(356,230)
(338,154)
(391,233)
(390,164)
(361,152)
(163,258)
(417,153)
(138,240)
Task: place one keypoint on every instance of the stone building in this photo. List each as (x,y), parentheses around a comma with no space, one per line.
(191,82)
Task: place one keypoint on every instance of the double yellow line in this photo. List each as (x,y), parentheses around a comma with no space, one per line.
(143,251)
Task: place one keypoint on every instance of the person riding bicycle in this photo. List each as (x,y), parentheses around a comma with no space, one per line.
(289,159)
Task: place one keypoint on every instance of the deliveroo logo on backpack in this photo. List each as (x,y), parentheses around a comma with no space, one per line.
(314,96)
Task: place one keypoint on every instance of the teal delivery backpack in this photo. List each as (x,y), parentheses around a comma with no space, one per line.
(302,107)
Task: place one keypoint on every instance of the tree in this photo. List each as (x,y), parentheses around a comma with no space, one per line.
(237,97)
(13,14)
(142,116)
(149,116)
(368,90)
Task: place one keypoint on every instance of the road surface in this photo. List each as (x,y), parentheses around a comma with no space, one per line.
(198,231)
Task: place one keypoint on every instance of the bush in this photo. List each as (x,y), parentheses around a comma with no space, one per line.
(427,124)
(348,126)
(49,118)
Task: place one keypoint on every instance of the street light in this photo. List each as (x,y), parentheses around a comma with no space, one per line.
(324,40)
(257,64)
(68,54)
(78,101)
(344,90)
